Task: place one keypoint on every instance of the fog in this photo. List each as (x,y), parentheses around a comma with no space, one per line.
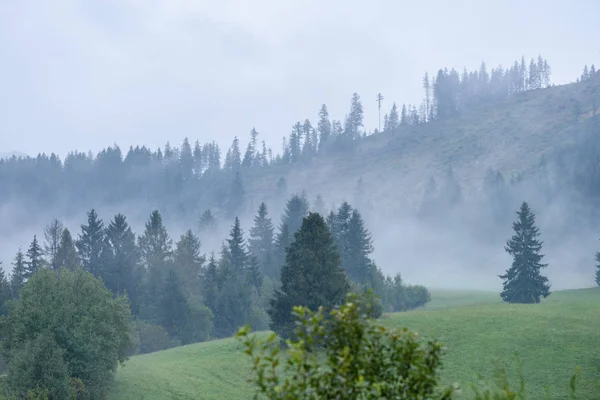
(83,75)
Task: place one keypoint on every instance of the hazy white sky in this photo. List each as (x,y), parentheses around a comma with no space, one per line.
(85,74)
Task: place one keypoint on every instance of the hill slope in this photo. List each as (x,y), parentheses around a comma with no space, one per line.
(509,135)
(551,339)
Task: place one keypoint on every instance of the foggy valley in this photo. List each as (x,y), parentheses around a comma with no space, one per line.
(349,200)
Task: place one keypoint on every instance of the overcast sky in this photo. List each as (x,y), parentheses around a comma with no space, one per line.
(85,74)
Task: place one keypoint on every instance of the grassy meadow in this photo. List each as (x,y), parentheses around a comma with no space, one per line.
(478,331)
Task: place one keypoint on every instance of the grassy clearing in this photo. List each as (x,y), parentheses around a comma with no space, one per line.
(551,339)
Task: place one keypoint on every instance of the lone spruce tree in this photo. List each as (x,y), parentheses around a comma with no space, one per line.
(311,277)
(523,282)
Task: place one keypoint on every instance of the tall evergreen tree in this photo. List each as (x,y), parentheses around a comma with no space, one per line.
(155,247)
(34,258)
(5,290)
(188,262)
(19,274)
(66,254)
(52,235)
(282,241)
(121,274)
(296,209)
(404,115)
(186,161)
(208,222)
(261,240)
(236,251)
(324,127)
(311,276)
(394,118)
(210,283)
(523,282)
(358,248)
(91,244)
(174,308)
(250,154)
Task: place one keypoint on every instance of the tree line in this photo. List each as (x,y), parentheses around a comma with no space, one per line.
(180,295)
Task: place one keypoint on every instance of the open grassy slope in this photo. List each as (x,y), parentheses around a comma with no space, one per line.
(509,135)
(551,339)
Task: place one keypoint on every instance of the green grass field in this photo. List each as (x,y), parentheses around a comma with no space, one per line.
(551,339)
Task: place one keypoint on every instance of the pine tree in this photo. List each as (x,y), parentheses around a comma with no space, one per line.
(236,252)
(5,291)
(155,247)
(250,154)
(210,283)
(120,273)
(208,222)
(237,194)
(261,240)
(324,127)
(91,244)
(311,276)
(296,209)
(188,263)
(52,235)
(186,161)
(174,313)
(403,115)
(358,248)
(394,118)
(18,276)
(34,258)
(66,254)
(523,282)
(233,158)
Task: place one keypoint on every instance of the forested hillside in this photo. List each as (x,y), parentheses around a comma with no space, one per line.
(480,141)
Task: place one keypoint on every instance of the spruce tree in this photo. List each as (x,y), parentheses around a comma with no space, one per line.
(19,274)
(208,222)
(155,247)
(523,282)
(311,276)
(5,290)
(66,254)
(358,248)
(91,244)
(296,209)
(121,272)
(52,236)
(188,262)
(210,283)
(282,241)
(174,309)
(34,258)
(394,118)
(324,127)
(261,240)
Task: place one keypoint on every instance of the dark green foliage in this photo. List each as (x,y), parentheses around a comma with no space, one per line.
(357,246)
(261,241)
(150,338)
(19,274)
(311,276)
(52,235)
(155,257)
(342,354)
(34,258)
(120,273)
(5,290)
(91,244)
(175,312)
(65,325)
(523,282)
(188,263)
(210,283)
(66,254)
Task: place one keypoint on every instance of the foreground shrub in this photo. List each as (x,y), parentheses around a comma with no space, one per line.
(66,328)
(345,356)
